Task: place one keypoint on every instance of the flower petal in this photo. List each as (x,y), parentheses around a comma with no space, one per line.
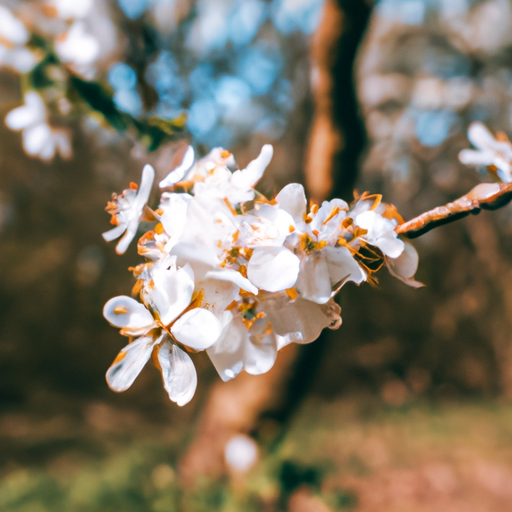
(342,265)
(380,233)
(20,118)
(131,231)
(114,233)
(472,157)
(261,351)
(172,290)
(126,313)
(36,138)
(62,143)
(480,136)
(292,199)
(197,329)
(146,182)
(390,245)
(11,28)
(304,320)
(178,373)
(129,363)
(179,172)
(254,171)
(314,282)
(404,267)
(174,214)
(234,277)
(273,268)
(227,352)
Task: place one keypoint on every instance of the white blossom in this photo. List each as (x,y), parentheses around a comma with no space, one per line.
(489,151)
(380,233)
(241,453)
(78,48)
(167,315)
(39,138)
(236,274)
(127,208)
(71,9)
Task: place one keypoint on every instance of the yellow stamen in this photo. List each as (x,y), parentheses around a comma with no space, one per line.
(229,205)
(292,293)
(331,215)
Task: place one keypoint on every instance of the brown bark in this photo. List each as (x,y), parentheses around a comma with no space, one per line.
(337,134)
(234,407)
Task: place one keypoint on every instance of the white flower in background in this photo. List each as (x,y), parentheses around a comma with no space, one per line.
(78,48)
(241,453)
(12,30)
(39,138)
(13,38)
(71,9)
(127,209)
(489,151)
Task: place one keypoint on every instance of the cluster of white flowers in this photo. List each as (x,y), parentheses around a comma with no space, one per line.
(66,27)
(492,152)
(71,38)
(236,274)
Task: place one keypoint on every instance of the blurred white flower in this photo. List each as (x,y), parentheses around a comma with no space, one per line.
(12,30)
(78,48)
(489,151)
(71,9)
(39,138)
(13,38)
(241,453)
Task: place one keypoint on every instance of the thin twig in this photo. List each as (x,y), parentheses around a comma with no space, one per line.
(486,196)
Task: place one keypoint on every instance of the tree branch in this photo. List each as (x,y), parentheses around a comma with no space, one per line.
(485,196)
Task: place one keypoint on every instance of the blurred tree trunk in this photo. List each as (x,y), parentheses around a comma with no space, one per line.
(262,405)
(338,135)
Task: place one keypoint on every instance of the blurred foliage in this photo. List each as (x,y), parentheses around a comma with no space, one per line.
(349,456)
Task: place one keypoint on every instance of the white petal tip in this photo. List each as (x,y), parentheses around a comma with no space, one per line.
(178,173)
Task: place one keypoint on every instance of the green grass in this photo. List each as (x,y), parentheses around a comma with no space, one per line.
(333,449)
